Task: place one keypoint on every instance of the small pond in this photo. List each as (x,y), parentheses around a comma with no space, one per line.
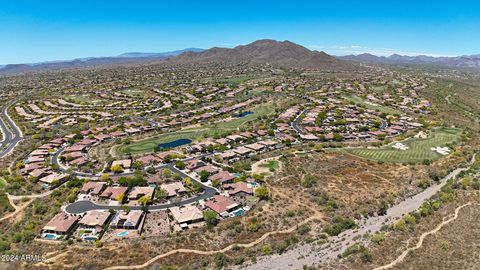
(173,144)
(243,114)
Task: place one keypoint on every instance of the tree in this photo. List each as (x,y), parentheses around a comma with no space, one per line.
(262,193)
(105,177)
(137,165)
(210,217)
(168,158)
(166,172)
(258,177)
(151,170)
(180,164)
(288,142)
(204,176)
(145,200)
(160,194)
(136,180)
(117,168)
(120,198)
(187,181)
(19,165)
(216,183)
(337,137)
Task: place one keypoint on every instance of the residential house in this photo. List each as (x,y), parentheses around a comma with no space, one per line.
(94,220)
(60,225)
(113,192)
(127,220)
(138,192)
(92,187)
(187,214)
(221,204)
(173,189)
(239,189)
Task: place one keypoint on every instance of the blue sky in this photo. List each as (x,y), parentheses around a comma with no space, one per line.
(33,31)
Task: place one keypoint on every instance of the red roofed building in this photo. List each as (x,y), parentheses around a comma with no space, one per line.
(113,192)
(221,204)
(223,176)
(239,189)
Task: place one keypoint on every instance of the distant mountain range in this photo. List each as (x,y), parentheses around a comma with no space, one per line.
(465,61)
(284,54)
(131,57)
(164,54)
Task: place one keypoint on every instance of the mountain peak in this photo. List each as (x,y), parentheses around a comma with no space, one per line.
(278,53)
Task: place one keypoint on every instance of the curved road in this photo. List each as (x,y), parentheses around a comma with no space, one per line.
(11,134)
(79,207)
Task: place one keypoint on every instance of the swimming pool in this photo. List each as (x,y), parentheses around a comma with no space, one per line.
(90,238)
(122,234)
(50,236)
(175,143)
(239,212)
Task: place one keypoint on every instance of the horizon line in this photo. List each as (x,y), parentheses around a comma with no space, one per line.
(334,50)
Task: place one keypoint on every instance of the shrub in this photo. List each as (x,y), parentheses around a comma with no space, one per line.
(303,229)
(378,238)
(262,193)
(267,250)
(4,246)
(365,254)
(210,217)
(253,227)
(340,225)
(98,243)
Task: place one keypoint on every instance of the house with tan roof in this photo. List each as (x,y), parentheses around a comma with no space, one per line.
(255,147)
(149,160)
(60,225)
(39,152)
(54,178)
(173,189)
(124,163)
(35,159)
(208,168)
(138,192)
(309,137)
(242,151)
(187,214)
(229,154)
(94,220)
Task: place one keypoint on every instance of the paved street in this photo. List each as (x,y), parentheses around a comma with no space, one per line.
(11,134)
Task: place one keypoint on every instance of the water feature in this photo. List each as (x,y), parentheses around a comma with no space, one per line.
(173,144)
(243,114)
